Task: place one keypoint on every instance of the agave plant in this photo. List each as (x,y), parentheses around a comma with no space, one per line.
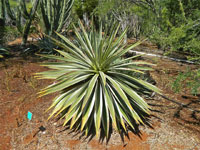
(95,89)
(3,51)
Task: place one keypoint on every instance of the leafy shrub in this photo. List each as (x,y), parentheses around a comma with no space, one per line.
(188,79)
(8,34)
(95,88)
(82,7)
(181,39)
(178,28)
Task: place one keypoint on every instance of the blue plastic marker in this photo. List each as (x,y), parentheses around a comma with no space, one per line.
(29,115)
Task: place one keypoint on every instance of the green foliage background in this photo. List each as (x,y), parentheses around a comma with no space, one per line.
(174,25)
(171,24)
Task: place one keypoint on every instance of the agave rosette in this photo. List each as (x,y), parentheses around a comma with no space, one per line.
(95,89)
(3,51)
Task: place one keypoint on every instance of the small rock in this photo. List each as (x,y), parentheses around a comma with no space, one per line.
(44,132)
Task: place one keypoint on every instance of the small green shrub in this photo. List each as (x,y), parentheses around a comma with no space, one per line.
(189,79)
(8,34)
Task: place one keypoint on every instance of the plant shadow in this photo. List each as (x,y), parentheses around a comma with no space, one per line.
(184,111)
(102,137)
(192,113)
